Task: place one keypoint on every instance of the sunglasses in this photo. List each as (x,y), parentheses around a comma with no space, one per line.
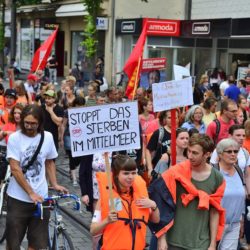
(231,151)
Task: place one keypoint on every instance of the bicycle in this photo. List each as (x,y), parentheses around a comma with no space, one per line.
(58,236)
(3,204)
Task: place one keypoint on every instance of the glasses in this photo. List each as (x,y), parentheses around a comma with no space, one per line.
(231,151)
(30,124)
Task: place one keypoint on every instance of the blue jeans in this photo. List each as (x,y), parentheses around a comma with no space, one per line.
(153,243)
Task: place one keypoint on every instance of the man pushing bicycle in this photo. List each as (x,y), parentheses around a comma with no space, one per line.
(30,152)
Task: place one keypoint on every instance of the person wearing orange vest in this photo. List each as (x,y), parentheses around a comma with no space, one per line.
(10,97)
(125,227)
(189,196)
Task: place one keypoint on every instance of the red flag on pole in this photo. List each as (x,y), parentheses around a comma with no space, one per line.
(41,56)
(133,65)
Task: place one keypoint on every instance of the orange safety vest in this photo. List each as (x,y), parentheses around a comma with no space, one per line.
(4,116)
(129,232)
(1,101)
(182,173)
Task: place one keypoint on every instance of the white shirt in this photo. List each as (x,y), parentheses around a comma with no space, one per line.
(243,161)
(21,148)
(224,85)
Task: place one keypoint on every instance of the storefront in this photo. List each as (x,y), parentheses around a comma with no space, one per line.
(206,36)
(223,43)
(162,41)
(205,44)
(35,23)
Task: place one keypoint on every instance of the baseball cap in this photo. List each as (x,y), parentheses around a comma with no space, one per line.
(10,92)
(31,77)
(50,93)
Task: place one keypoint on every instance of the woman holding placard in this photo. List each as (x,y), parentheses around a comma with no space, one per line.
(123,227)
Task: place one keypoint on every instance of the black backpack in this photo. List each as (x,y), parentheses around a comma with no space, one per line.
(237,168)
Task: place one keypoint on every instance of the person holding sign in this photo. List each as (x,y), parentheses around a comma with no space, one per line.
(124,227)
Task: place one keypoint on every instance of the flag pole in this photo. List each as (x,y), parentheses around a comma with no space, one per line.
(136,77)
(38,66)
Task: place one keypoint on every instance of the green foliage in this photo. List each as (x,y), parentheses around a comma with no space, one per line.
(90,40)
(27,2)
(93,7)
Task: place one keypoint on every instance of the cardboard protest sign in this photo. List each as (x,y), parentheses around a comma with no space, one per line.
(172,94)
(104,128)
(181,72)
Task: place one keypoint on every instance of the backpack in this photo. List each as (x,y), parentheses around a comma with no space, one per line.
(237,168)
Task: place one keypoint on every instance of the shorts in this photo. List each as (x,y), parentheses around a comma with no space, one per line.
(20,218)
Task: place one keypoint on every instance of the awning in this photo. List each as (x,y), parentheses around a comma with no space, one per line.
(77,9)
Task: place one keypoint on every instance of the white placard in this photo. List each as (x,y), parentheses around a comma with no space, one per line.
(181,72)
(104,128)
(172,94)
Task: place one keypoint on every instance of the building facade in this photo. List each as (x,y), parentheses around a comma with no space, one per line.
(36,22)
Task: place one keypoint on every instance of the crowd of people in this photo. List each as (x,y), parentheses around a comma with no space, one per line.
(198,203)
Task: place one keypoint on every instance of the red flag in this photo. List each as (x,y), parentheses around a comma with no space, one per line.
(41,56)
(133,65)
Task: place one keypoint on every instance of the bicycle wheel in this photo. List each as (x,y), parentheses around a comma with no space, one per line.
(63,241)
(3,213)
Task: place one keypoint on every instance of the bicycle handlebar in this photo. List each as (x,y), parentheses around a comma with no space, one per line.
(52,200)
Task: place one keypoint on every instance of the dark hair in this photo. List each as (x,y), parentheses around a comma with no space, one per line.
(193,131)
(180,130)
(78,101)
(162,116)
(235,127)
(11,115)
(203,140)
(1,87)
(36,112)
(209,102)
(243,82)
(157,72)
(121,162)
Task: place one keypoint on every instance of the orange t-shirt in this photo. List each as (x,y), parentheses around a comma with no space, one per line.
(246,144)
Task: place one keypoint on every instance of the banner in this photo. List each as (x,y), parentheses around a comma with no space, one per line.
(133,65)
(153,71)
(104,128)
(42,54)
(153,63)
(172,94)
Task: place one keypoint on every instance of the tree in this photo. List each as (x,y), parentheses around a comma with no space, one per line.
(90,41)
(93,7)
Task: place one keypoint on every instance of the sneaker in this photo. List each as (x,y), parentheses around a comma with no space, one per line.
(75,184)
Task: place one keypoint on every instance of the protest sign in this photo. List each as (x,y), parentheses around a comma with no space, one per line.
(172,94)
(104,128)
(181,72)
(242,72)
